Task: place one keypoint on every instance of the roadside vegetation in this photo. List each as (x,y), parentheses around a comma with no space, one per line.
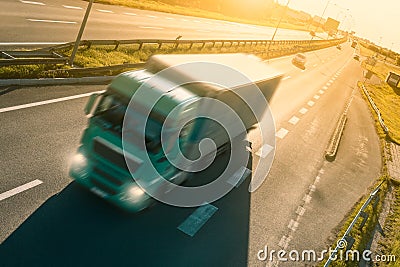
(98,56)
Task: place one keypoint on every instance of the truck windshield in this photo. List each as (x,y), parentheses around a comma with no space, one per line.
(111,110)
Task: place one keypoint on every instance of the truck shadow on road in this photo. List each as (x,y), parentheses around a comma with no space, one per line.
(77,228)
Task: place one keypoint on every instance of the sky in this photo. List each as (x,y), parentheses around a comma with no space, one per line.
(371,19)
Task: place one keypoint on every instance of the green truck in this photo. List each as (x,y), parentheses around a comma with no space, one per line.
(104,160)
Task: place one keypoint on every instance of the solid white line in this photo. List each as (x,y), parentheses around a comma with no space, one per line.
(35,104)
(129,14)
(285,78)
(310,103)
(104,11)
(150,27)
(294,120)
(52,21)
(32,3)
(31,43)
(19,189)
(281,133)
(72,7)
(303,111)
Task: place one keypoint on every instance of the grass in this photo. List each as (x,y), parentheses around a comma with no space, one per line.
(390,245)
(196,12)
(385,97)
(364,235)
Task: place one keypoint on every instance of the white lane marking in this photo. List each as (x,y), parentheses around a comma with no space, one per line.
(328,84)
(285,78)
(184,20)
(294,120)
(52,21)
(316,97)
(331,81)
(300,210)
(293,225)
(264,151)
(129,14)
(315,65)
(19,189)
(310,103)
(312,188)
(321,92)
(281,133)
(303,70)
(307,199)
(303,111)
(31,43)
(284,242)
(151,16)
(321,171)
(32,3)
(104,11)
(325,87)
(35,104)
(197,21)
(169,18)
(72,7)
(317,179)
(151,27)
(197,219)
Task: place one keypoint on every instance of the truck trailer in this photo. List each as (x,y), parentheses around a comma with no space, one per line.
(180,83)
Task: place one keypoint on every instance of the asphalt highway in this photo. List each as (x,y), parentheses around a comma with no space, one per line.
(59,21)
(55,222)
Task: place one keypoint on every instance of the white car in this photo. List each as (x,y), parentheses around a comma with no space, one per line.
(299,60)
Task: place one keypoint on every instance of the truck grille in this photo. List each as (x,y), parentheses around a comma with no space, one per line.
(103,187)
(109,154)
(111,179)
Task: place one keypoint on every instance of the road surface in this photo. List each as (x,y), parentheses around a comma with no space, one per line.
(52,221)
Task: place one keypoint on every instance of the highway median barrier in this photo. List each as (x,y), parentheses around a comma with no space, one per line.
(333,145)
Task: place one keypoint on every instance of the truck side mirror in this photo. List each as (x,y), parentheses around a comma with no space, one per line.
(90,103)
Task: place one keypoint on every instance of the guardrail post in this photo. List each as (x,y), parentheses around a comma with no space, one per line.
(140,46)
(204,44)
(159,45)
(116,45)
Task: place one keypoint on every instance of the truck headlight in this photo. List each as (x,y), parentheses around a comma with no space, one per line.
(133,194)
(79,165)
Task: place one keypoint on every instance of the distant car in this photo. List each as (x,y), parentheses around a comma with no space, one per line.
(356,57)
(339,47)
(299,60)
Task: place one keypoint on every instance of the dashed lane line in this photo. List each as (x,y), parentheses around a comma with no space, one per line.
(151,27)
(105,11)
(33,3)
(197,219)
(72,7)
(281,133)
(303,111)
(19,189)
(52,21)
(294,120)
(311,103)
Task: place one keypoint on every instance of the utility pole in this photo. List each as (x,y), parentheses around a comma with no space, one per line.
(277,26)
(80,33)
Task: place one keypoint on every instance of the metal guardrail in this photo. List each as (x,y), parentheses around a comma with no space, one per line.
(53,54)
(376,109)
(344,243)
